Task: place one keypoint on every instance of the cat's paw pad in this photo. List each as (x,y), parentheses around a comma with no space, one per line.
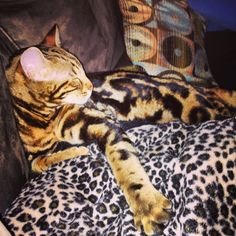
(151,211)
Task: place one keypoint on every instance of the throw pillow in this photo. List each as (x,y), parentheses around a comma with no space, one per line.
(166,38)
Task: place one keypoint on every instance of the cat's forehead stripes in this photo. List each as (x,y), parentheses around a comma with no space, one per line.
(61,54)
(67,66)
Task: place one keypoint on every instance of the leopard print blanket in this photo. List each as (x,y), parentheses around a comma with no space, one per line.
(194,166)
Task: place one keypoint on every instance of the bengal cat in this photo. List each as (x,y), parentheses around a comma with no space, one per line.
(53,102)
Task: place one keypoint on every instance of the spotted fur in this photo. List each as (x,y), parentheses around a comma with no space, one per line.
(160,100)
(51,96)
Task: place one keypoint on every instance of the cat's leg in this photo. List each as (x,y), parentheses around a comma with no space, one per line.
(42,163)
(148,205)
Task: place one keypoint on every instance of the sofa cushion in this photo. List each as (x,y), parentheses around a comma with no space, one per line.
(13,165)
(90,29)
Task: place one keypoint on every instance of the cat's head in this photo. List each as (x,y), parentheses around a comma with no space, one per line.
(51,73)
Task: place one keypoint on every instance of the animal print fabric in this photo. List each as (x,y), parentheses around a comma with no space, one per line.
(194,166)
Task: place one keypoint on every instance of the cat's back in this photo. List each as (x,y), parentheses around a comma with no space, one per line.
(138,96)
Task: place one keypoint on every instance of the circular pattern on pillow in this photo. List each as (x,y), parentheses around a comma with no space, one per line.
(136,12)
(140,42)
(177,51)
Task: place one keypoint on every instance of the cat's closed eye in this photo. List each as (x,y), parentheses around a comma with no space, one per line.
(76,83)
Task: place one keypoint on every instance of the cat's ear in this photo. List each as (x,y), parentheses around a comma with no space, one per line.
(33,63)
(52,38)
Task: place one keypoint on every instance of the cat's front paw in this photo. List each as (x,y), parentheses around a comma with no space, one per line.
(151,210)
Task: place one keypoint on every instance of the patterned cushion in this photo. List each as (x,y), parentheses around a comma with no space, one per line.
(194,166)
(166,38)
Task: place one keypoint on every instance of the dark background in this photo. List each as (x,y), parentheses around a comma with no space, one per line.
(221,51)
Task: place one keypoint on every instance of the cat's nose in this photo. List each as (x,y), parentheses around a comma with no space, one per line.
(89,85)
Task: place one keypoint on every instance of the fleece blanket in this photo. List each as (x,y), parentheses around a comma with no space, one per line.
(193,165)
